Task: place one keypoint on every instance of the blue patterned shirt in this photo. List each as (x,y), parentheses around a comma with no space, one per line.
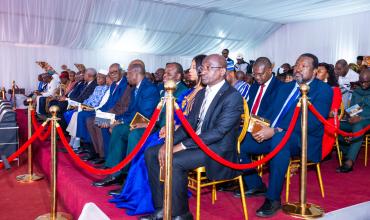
(96,97)
(243,88)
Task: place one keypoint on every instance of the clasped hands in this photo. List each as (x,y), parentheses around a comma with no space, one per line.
(264,134)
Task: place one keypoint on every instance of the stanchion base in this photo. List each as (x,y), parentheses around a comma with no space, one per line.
(58,216)
(310,211)
(27,178)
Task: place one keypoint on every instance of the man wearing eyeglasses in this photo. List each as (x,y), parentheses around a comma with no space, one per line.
(117,103)
(215,117)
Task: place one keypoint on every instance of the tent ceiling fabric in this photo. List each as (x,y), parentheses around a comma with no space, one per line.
(161,27)
(279,11)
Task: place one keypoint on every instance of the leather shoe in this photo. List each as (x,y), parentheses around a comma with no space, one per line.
(227,187)
(157,215)
(344,169)
(269,208)
(115,192)
(81,151)
(97,161)
(186,216)
(260,191)
(108,181)
(89,157)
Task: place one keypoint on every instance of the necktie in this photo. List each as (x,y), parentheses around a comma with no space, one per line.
(203,111)
(136,90)
(258,100)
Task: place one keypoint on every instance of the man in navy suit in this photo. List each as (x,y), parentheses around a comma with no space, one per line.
(262,93)
(321,97)
(144,99)
(117,103)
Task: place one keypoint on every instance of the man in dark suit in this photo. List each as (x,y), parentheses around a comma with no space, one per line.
(88,89)
(262,93)
(144,98)
(321,97)
(117,103)
(216,117)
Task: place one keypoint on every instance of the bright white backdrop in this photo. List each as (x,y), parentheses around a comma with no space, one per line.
(330,39)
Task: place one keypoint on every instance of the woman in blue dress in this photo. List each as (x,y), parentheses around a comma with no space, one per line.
(136,196)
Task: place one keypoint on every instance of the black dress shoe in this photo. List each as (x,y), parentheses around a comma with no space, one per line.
(89,157)
(227,187)
(344,169)
(115,192)
(269,208)
(187,216)
(157,215)
(97,161)
(81,151)
(260,191)
(108,181)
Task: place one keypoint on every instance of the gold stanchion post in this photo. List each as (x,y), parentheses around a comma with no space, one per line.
(302,209)
(30,176)
(13,95)
(54,215)
(3,93)
(170,87)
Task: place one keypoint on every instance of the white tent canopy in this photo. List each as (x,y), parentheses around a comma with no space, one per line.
(99,32)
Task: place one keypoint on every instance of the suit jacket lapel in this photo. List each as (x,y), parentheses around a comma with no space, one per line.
(214,103)
(270,88)
(196,109)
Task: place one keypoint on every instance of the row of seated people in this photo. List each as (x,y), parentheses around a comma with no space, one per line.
(207,109)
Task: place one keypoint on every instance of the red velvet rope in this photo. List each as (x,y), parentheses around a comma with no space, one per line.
(25,145)
(42,137)
(227,163)
(125,161)
(341,132)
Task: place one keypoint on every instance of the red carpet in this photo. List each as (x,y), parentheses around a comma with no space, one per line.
(74,187)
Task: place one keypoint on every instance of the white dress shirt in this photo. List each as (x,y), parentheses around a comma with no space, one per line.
(211,92)
(263,93)
(345,86)
(51,87)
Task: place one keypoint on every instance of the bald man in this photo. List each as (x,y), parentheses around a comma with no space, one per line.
(345,77)
(361,97)
(216,118)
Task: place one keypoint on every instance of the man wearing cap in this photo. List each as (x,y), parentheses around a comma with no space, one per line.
(241,65)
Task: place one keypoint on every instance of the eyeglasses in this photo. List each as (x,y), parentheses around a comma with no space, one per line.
(208,68)
(114,72)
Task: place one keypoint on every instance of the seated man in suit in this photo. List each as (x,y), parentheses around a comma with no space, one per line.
(361,97)
(262,93)
(320,95)
(173,72)
(144,98)
(117,104)
(216,118)
(90,84)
